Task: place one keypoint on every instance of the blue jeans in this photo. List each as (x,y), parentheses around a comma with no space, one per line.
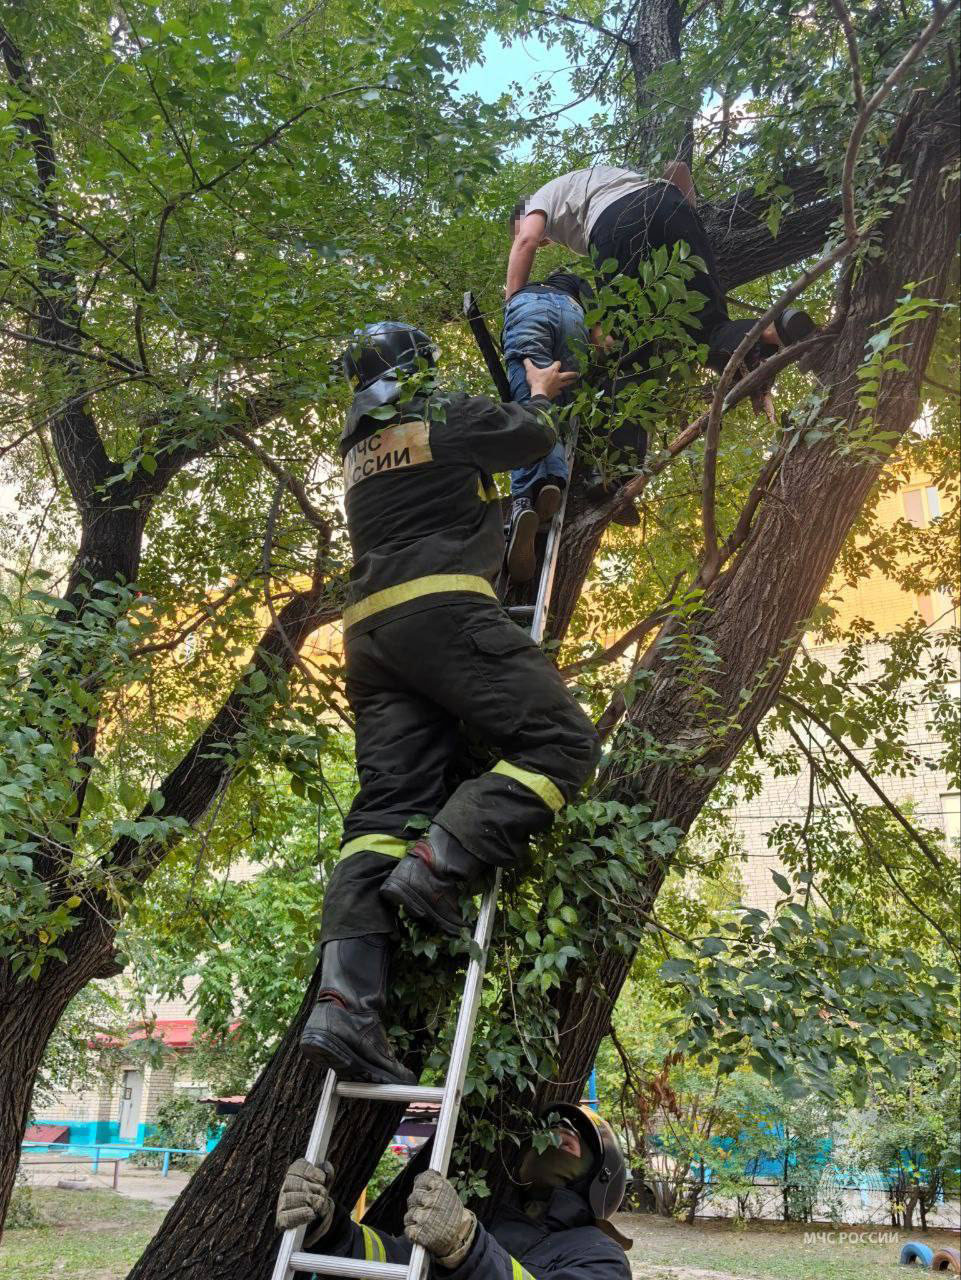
(543,325)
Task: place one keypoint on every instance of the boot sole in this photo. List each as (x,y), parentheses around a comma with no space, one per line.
(794,326)
(327,1051)
(548,502)
(521,560)
(416,906)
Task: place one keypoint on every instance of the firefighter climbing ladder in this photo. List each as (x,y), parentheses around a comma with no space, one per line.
(291,1256)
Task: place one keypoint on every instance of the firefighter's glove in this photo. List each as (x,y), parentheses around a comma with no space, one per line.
(304,1199)
(436,1219)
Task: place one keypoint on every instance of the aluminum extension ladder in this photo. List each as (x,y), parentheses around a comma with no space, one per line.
(291,1256)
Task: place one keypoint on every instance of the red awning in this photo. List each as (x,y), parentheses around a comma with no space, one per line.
(175,1033)
(47,1133)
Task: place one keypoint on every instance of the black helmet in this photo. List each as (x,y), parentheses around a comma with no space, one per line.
(606,1184)
(378,353)
(387,347)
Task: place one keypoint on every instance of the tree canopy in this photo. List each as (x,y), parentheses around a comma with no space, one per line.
(198,204)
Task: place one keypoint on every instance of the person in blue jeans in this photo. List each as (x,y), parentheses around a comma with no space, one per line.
(543,322)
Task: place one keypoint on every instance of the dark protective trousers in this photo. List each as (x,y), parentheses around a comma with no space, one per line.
(631,229)
(415,686)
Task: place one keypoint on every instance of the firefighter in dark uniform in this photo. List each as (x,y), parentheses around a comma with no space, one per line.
(561,1231)
(428,650)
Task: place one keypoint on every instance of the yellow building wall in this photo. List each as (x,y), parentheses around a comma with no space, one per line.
(877,598)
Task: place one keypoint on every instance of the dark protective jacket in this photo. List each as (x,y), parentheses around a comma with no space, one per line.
(564,1244)
(423,515)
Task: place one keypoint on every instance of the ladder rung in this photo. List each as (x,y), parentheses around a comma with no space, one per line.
(520,610)
(323,1265)
(389,1092)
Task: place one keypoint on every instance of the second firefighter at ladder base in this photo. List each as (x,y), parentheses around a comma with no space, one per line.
(561,1230)
(430,651)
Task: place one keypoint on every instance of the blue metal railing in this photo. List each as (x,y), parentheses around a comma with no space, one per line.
(114,1150)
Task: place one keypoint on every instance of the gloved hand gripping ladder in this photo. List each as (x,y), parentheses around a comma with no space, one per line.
(291,1257)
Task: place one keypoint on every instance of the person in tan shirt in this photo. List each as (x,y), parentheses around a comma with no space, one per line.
(608,213)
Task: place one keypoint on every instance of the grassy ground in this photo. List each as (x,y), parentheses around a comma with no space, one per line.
(89,1235)
(666,1250)
(98,1235)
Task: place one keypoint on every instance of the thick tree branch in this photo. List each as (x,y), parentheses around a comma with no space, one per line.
(852,238)
(844,17)
(193,784)
(77,441)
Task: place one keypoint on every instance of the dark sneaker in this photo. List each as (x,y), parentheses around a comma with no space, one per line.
(548,502)
(353,1043)
(521,554)
(794,325)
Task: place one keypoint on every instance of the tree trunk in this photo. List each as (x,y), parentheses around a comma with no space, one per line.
(29,1013)
(754,613)
(655,43)
(223,1223)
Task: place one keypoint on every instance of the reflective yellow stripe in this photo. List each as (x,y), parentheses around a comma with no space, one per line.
(381,1251)
(374,1250)
(393,846)
(404,591)
(518,1272)
(536,782)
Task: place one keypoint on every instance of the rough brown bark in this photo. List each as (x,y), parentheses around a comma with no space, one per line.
(29,1012)
(654,43)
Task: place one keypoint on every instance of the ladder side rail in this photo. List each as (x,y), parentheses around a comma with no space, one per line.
(552,547)
(460,1055)
(317,1144)
(464,1032)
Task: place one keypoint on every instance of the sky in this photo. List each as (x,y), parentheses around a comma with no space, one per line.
(524,61)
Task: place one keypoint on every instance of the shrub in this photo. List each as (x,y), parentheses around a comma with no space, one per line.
(181,1122)
(23,1210)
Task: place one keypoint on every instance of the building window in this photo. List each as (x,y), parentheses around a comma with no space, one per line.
(951,812)
(922,506)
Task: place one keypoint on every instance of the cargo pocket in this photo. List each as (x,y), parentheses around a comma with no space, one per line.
(497,639)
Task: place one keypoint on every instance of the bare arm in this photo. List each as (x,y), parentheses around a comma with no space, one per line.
(529,236)
(678,173)
(603,343)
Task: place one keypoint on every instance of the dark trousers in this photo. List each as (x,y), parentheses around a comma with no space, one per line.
(634,226)
(415,686)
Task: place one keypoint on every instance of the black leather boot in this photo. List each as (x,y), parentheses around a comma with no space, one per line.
(430,879)
(344,1030)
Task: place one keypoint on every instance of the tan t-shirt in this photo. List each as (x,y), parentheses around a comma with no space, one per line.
(574,202)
